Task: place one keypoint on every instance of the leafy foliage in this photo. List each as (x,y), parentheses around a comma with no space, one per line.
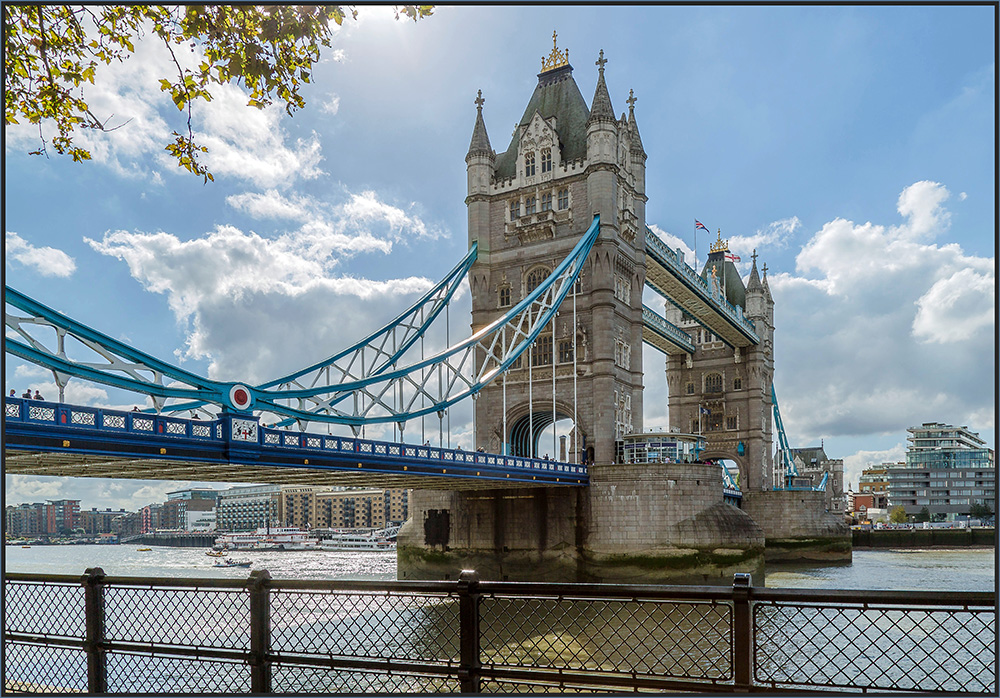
(897,515)
(924,515)
(52,52)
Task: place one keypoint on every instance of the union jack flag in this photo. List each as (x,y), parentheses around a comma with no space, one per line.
(698,224)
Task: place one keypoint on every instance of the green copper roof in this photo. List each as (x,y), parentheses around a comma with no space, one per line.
(729,278)
(556,94)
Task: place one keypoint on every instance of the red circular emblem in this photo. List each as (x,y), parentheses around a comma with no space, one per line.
(240,397)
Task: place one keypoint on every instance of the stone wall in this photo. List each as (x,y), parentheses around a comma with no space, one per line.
(797,526)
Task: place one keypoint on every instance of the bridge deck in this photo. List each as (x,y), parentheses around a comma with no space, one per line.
(43,438)
(663,335)
(673,279)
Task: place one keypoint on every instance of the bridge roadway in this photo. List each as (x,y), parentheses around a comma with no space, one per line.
(49,438)
(675,280)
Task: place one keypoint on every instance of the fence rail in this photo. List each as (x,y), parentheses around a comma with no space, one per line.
(101,634)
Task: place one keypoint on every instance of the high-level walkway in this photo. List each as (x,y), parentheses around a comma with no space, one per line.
(670,276)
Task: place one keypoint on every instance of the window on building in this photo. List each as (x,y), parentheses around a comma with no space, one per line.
(529,205)
(515,209)
(566,352)
(563,199)
(541,353)
(546,201)
(546,159)
(504,294)
(689,388)
(713,383)
(535,277)
(529,164)
(731,422)
(578,286)
(737,384)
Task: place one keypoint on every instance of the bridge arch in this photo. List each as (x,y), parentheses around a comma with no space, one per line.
(525,427)
(723,454)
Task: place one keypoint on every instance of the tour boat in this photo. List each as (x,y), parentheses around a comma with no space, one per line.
(232,563)
(340,541)
(270,538)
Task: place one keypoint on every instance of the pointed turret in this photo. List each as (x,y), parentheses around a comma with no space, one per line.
(600,108)
(767,289)
(480,144)
(633,127)
(753,284)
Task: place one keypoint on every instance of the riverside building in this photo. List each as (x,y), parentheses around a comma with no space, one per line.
(947,470)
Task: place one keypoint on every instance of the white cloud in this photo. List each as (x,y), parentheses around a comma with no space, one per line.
(881,329)
(775,234)
(957,307)
(861,460)
(245,143)
(331,105)
(47,261)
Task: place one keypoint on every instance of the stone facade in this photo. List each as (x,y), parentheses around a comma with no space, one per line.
(732,385)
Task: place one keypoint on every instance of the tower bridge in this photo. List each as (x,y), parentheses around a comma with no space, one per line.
(559,256)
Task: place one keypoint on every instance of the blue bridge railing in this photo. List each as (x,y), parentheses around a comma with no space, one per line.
(668,329)
(230,433)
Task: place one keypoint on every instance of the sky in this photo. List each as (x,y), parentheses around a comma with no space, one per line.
(852,147)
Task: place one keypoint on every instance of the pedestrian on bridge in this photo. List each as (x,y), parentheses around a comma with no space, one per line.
(38,396)
(13,393)
(27,394)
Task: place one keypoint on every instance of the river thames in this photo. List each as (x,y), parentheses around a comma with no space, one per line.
(958,569)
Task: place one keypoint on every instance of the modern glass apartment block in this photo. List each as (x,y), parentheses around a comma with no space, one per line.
(947,470)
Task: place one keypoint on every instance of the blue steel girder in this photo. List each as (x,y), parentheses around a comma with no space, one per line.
(377,395)
(676,281)
(661,334)
(45,438)
(787,462)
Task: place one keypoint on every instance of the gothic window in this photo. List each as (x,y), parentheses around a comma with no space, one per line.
(529,205)
(535,277)
(516,364)
(546,160)
(689,388)
(737,384)
(566,352)
(546,201)
(713,383)
(529,164)
(515,209)
(731,423)
(694,427)
(715,421)
(623,353)
(563,199)
(504,294)
(541,353)
(623,291)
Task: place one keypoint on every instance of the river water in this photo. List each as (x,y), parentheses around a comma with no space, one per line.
(959,569)
(650,637)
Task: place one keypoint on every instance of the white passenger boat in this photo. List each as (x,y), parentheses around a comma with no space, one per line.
(346,541)
(272,538)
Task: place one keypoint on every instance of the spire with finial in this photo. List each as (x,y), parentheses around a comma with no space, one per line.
(556,59)
(601,108)
(753,283)
(633,127)
(480,144)
(767,289)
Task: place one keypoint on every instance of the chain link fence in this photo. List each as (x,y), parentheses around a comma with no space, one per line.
(98,634)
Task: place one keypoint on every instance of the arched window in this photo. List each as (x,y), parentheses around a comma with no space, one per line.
(529,164)
(713,383)
(535,277)
(566,352)
(541,353)
(737,384)
(529,205)
(563,199)
(515,209)
(546,160)
(504,293)
(546,201)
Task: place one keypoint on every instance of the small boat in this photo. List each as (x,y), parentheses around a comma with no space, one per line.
(215,553)
(143,550)
(232,563)
(25,546)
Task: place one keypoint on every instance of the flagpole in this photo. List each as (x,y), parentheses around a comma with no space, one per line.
(696,246)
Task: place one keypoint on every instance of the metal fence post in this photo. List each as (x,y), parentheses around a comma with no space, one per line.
(260,631)
(93,605)
(742,631)
(468,618)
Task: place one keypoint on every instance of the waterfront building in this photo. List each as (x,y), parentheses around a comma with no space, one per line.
(813,463)
(95,521)
(24,519)
(947,470)
(249,508)
(874,482)
(60,516)
(397,505)
(298,505)
(352,509)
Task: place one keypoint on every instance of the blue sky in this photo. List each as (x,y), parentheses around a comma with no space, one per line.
(853,147)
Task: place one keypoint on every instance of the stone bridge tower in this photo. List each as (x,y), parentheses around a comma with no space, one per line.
(722,392)
(528,207)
